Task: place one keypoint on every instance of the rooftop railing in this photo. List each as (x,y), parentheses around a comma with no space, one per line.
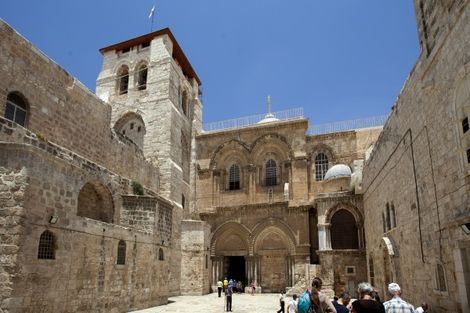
(291,114)
(341,126)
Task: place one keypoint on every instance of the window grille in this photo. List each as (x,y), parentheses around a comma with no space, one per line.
(321,166)
(46,248)
(234,177)
(16,109)
(271,173)
(121,253)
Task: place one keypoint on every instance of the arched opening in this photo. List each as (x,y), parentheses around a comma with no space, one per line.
(344,233)
(234,177)
(123,80)
(46,247)
(141,75)
(184,102)
(121,253)
(95,202)
(321,166)
(161,256)
(16,109)
(271,173)
(132,126)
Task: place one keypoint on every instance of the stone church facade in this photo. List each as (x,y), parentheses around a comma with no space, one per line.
(117,200)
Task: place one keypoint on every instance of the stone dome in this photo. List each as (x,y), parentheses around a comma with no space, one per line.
(337,171)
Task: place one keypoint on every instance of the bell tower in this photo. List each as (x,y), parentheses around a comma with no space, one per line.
(154,93)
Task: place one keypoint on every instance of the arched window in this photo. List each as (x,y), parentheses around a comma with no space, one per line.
(440,278)
(234,177)
(321,166)
(271,173)
(121,253)
(184,102)
(161,257)
(123,80)
(142,77)
(393,218)
(46,247)
(344,231)
(16,109)
(95,202)
(387,216)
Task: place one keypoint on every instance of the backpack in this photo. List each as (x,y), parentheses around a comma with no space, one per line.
(304,304)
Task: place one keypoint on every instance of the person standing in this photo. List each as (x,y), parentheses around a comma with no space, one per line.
(292,306)
(423,308)
(366,302)
(228,295)
(225,283)
(397,304)
(253,287)
(219,287)
(282,302)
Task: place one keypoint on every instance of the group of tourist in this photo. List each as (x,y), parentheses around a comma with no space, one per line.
(314,301)
(229,287)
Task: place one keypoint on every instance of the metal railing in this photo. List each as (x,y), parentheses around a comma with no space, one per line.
(285,115)
(334,127)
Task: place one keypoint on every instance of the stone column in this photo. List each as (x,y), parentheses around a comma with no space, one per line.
(324,238)
(215,187)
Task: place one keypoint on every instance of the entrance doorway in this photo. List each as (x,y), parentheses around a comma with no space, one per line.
(235,268)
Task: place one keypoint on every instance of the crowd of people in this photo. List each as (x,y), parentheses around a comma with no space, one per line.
(314,301)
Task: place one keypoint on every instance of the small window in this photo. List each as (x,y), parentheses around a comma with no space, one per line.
(321,166)
(371,271)
(131,126)
(123,80)
(161,257)
(468,155)
(207,262)
(465,125)
(183,201)
(387,216)
(184,102)
(123,131)
(350,270)
(139,129)
(384,222)
(394,220)
(440,278)
(16,109)
(145,44)
(271,173)
(46,248)
(125,50)
(121,253)
(234,177)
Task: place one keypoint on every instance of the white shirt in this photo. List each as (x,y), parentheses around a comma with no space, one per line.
(293,306)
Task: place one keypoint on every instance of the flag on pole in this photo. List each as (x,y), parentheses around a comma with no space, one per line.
(152,12)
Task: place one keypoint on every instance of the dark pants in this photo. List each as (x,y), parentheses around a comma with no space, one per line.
(219,289)
(229,303)
(282,307)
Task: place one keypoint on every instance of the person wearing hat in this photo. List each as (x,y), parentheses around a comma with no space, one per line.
(397,304)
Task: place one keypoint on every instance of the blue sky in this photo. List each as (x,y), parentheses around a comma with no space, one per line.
(338,59)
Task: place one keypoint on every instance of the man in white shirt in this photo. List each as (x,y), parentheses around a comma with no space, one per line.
(292,306)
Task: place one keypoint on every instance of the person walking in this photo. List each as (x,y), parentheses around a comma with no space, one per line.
(228,296)
(366,302)
(225,283)
(397,304)
(220,285)
(292,306)
(282,302)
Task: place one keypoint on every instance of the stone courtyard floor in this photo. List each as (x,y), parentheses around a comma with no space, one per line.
(241,303)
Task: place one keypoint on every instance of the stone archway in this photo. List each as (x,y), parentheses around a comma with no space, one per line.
(273,249)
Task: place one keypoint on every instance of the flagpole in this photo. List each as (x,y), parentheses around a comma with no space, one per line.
(152,16)
(151,24)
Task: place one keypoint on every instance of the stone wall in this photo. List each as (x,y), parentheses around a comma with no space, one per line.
(419,169)
(85,248)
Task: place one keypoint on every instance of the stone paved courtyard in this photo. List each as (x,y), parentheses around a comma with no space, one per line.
(242,303)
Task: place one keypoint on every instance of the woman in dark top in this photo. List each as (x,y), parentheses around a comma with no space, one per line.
(366,302)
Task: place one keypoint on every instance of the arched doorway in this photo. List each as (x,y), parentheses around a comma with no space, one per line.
(273,253)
